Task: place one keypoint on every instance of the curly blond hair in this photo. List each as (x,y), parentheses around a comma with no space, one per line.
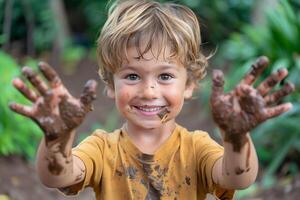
(169,25)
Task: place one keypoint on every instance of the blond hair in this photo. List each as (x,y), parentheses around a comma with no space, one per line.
(171,25)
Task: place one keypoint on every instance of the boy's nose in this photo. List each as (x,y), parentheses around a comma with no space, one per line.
(149,91)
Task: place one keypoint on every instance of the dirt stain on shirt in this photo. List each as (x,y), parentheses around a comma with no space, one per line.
(153,184)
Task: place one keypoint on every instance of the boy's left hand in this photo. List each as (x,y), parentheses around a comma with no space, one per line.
(245,107)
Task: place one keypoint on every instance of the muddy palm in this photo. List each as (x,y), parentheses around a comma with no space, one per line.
(53,108)
(245,107)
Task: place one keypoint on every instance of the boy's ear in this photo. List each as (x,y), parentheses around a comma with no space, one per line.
(189,89)
(110,92)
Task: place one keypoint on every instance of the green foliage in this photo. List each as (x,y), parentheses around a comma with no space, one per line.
(86,19)
(71,56)
(41,16)
(45,30)
(17,134)
(73,53)
(277,38)
(219,18)
(231,13)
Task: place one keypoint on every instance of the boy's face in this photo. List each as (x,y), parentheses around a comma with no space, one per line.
(144,87)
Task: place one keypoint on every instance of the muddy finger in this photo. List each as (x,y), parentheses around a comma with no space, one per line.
(256,69)
(277,110)
(217,83)
(50,74)
(89,94)
(48,100)
(271,81)
(279,94)
(28,93)
(35,80)
(21,109)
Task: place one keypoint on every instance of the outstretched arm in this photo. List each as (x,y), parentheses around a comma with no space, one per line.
(238,112)
(57,113)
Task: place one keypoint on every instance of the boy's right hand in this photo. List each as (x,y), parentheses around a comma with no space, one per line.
(54,109)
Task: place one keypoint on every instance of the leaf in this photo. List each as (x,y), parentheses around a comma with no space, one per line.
(280,155)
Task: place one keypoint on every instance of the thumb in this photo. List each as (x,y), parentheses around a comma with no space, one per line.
(217,83)
(88,95)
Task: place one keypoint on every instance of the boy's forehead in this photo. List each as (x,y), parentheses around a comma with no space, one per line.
(156,53)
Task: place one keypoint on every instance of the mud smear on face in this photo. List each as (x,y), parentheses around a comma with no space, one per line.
(163,115)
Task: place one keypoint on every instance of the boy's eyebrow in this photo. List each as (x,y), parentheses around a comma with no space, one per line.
(162,66)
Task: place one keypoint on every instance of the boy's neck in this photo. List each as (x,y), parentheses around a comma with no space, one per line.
(149,140)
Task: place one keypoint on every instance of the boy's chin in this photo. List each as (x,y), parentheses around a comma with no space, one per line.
(143,124)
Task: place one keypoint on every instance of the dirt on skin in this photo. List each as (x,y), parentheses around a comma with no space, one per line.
(245,107)
(163,115)
(18,178)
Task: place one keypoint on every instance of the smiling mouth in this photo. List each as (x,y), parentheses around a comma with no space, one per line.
(149,110)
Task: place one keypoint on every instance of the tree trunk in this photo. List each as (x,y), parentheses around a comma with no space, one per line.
(7,24)
(63,31)
(30,48)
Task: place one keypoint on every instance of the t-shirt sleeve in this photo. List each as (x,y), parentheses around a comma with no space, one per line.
(90,151)
(207,152)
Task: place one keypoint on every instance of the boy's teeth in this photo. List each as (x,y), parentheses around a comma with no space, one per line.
(149,109)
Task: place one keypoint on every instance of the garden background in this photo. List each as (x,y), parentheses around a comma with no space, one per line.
(63,33)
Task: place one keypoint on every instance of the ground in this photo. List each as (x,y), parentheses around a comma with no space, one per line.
(19,181)
(18,178)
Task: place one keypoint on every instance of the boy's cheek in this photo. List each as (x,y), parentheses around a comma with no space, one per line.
(123,94)
(123,99)
(175,102)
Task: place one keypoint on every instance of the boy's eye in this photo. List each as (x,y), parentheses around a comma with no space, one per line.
(132,77)
(165,77)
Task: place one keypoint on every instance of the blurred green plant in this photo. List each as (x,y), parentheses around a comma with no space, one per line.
(219,18)
(17,134)
(72,54)
(90,16)
(25,15)
(277,38)
(86,19)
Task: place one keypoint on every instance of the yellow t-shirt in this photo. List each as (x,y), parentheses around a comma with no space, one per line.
(180,169)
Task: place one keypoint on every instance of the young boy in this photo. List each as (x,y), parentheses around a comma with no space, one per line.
(150,62)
